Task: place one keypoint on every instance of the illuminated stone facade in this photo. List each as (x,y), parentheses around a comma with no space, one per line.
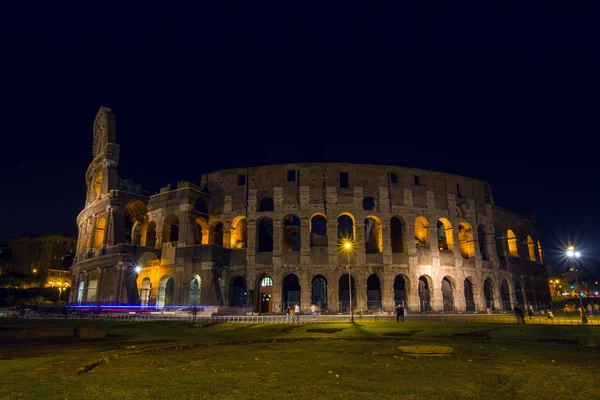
(262,238)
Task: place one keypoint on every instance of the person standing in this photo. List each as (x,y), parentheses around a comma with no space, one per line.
(400,313)
(194,312)
(297,312)
(288,313)
(313,310)
(530,312)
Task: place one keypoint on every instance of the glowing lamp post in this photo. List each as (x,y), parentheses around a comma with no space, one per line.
(348,248)
(572,254)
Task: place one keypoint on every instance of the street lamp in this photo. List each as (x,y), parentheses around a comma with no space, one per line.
(347,247)
(572,254)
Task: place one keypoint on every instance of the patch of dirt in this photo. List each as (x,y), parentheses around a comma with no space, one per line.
(399,334)
(325,330)
(427,351)
(283,329)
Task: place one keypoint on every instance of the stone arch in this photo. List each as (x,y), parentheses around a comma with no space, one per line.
(519,294)
(505,295)
(290,291)
(448,287)
(425,293)
(374,302)
(195,290)
(166,292)
(200,205)
(266,204)
(98,180)
(264,235)
(146,259)
(318,230)
(444,234)
(239,233)
(216,233)
(344,284)
(291,238)
(397,233)
(170,229)
(488,293)
(401,290)
(134,218)
(369,203)
(373,235)
(99,233)
(465,240)
(511,239)
(238,292)
(319,291)
(146,292)
(202,227)
(265,294)
(346,227)
(469,294)
(422,232)
(481,236)
(531,248)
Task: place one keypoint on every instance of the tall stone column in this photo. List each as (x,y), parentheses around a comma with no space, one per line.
(86,286)
(305,257)
(305,290)
(359,243)
(387,242)
(120,273)
(332,241)
(99,285)
(333,293)
(179,296)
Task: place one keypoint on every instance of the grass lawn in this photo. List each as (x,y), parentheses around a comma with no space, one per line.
(174,360)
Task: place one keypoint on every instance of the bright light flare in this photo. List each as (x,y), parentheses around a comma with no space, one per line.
(138,269)
(570,253)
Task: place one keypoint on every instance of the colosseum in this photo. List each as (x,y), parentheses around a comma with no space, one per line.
(259,239)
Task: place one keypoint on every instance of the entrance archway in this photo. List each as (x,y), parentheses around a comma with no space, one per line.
(265,294)
(400,295)
(238,292)
(447,295)
(374,293)
(424,294)
(290,291)
(166,292)
(195,285)
(505,296)
(319,292)
(344,293)
(469,298)
(145,292)
(489,294)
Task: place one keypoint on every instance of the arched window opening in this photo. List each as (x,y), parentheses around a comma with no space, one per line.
(265,305)
(200,205)
(373,236)
(195,286)
(134,218)
(266,204)
(319,292)
(98,183)
(151,235)
(397,234)
(469,298)
(344,285)
(318,231)
(217,234)
(99,234)
(369,203)
(465,240)
(202,229)
(345,228)
(290,295)
(374,293)
(170,229)
(488,294)
(136,234)
(519,294)
(422,232)
(145,292)
(80,292)
(239,292)
(239,234)
(531,248)
(264,235)
(481,236)
(424,294)
(447,295)
(166,292)
(504,294)
(444,234)
(291,233)
(512,243)
(400,294)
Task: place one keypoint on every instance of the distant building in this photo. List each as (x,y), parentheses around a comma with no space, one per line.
(39,254)
(58,278)
(5,255)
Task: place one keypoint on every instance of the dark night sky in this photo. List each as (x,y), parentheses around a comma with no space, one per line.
(509,95)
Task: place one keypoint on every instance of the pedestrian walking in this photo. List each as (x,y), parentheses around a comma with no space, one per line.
(400,313)
(313,310)
(297,312)
(288,313)
(530,312)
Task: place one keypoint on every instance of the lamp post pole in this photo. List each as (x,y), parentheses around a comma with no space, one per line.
(350,284)
(572,254)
